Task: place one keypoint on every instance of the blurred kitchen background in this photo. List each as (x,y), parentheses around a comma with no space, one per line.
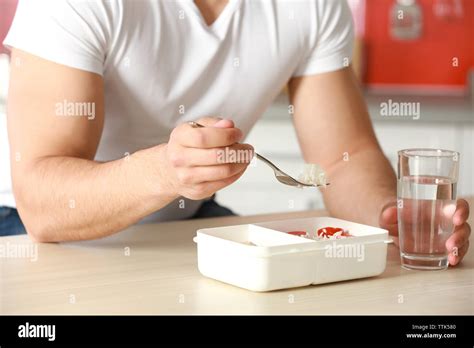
(419,51)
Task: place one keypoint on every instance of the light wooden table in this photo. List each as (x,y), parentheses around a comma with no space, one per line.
(160,276)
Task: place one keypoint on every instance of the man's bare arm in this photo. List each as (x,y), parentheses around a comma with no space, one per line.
(332,124)
(63,194)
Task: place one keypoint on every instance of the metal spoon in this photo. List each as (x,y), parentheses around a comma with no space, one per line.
(280,175)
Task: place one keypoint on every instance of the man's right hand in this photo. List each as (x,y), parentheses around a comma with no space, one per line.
(201,161)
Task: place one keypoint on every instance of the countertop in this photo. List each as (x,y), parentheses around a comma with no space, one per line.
(152,269)
(439,109)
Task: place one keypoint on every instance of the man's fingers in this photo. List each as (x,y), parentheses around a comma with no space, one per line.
(459,237)
(224,124)
(197,175)
(190,157)
(206,189)
(462,212)
(389,219)
(217,122)
(458,243)
(208,121)
(454,257)
(217,185)
(207,137)
(389,215)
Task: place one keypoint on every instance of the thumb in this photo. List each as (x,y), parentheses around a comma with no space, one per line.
(224,124)
(215,122)
(389,215)
(389,218)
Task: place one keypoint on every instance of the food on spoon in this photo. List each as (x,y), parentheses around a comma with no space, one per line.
(313,174)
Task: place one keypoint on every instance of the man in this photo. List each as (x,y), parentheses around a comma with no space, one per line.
(138,71)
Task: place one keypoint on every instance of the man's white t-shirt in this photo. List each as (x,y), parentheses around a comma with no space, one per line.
(162,65)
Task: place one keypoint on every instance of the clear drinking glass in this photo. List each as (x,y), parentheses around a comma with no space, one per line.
(427,180)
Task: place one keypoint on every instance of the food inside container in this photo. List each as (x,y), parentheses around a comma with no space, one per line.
(323,233)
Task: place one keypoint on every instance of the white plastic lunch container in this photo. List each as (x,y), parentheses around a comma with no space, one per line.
(278,260)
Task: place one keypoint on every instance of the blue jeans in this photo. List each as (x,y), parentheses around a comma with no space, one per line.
(212,209)
(10,222)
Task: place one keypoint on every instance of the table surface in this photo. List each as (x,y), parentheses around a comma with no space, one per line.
(152,269)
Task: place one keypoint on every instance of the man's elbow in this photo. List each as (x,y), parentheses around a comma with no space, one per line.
(38,235)
(31,217)
(33,224)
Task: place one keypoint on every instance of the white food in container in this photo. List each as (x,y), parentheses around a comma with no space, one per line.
(264,257)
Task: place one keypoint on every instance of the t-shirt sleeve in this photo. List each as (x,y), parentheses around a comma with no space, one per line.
(74,33)
(330,48)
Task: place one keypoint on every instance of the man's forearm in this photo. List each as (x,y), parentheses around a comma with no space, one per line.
(65,198)
(360,186)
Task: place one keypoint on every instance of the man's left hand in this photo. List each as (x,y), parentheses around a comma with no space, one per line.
(456,245)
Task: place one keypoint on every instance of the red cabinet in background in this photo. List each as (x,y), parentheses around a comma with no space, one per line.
(439,59)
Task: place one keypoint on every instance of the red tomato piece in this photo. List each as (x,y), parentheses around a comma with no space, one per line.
(329,231)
